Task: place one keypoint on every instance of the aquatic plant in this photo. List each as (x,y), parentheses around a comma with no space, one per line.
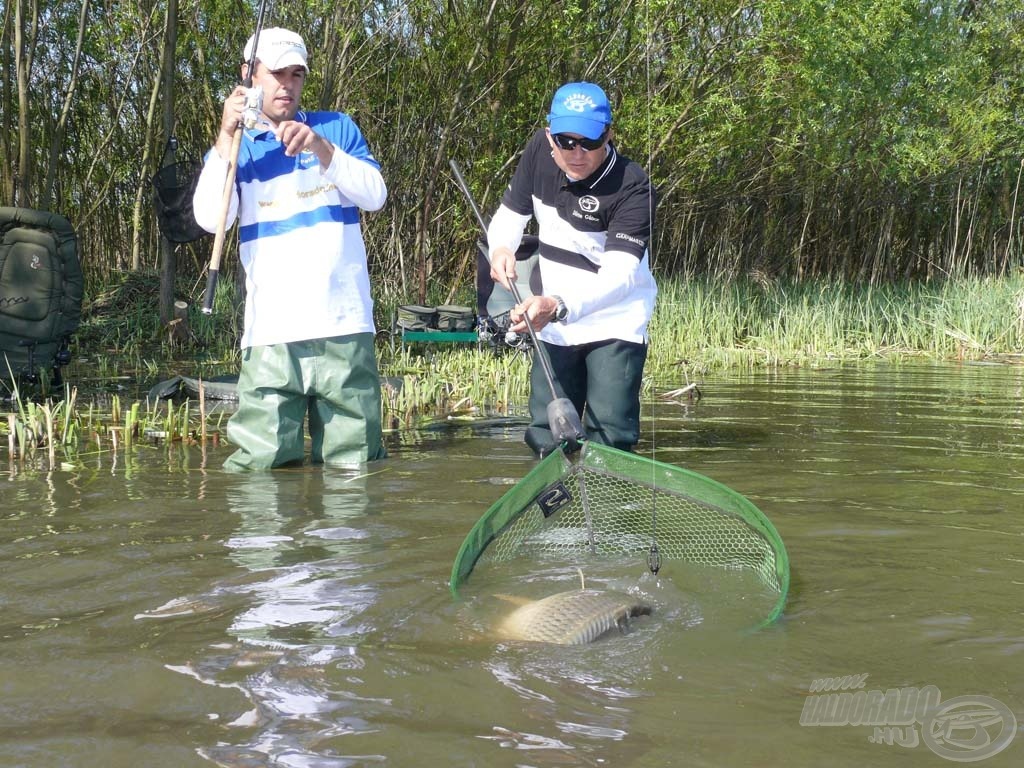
(423,383)
(698,326)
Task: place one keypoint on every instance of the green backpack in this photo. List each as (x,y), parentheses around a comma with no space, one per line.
(41,288)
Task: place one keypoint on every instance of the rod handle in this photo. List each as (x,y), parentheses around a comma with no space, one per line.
(222,223)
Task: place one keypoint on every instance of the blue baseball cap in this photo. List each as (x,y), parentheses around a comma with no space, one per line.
(580,108)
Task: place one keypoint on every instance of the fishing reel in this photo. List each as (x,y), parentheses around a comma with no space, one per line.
(495,331)
(253,106)
(515,340)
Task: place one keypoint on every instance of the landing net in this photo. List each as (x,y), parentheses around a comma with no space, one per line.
(610,502)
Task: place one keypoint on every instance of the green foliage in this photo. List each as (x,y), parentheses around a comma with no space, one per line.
(121,319)
(872,140)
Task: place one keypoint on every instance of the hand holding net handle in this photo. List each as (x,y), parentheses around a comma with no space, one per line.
(562,417)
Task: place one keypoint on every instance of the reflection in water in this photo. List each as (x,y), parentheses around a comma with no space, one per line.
(303,610)
(292,532)
(302,618)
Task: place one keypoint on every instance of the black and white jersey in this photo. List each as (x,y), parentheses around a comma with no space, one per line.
(584,225)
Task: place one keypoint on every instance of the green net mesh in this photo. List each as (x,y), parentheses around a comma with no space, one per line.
(609,502)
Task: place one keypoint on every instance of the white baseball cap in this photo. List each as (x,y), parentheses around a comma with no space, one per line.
(278,48)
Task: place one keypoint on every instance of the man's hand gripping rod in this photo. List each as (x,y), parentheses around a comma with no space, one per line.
(253,107)
(562,417)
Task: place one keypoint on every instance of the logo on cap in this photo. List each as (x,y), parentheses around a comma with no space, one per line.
(579,102)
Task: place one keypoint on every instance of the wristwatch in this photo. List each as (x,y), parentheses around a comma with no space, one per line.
(561,311)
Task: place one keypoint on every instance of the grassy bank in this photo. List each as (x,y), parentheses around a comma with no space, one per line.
(702,326)
(763,323)
(699,326)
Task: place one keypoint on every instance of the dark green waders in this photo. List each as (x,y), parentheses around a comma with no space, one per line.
(333,381)
(603,376)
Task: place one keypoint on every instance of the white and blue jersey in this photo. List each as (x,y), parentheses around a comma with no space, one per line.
(301,243)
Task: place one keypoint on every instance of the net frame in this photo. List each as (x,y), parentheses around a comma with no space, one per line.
(584,507)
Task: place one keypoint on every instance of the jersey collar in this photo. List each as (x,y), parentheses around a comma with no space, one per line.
(262,127)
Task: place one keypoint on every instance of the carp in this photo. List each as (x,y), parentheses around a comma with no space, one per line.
(574,617)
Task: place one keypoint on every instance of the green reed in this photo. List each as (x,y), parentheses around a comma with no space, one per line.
(698,326)
(750,323)
(424,382)
(37,429)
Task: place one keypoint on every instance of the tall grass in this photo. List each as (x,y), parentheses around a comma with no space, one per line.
(705,325)
(698,326)
(749,323)
(423,383)
(124,317)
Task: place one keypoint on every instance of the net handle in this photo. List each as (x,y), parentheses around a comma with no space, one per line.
(213,270)
(563,419)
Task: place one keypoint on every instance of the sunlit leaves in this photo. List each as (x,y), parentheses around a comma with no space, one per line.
(867,138)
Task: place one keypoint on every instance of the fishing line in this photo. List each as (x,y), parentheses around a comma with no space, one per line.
(653,555)
(562,417)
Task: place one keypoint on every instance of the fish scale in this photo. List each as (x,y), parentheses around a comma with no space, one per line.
(575,617)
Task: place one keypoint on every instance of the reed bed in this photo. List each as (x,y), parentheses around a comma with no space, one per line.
(422,385)
(699,326)
(58,431)
(752,323)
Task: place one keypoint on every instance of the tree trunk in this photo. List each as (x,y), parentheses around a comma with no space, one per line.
(47,199)
(6,112)
(178,331)
(168,255)
(23,49)
(159,87)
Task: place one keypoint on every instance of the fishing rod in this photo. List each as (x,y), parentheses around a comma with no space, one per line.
(562,417)
(253,106)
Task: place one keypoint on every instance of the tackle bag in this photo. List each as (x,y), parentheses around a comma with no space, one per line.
(41,287)
(413,317)
(451,317)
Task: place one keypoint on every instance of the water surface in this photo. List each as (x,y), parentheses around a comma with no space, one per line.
(159,612)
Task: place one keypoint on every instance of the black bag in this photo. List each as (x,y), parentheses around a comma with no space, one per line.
(41,286)
(175,183)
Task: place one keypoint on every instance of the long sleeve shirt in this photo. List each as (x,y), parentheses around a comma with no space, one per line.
(593,233)
(301,242)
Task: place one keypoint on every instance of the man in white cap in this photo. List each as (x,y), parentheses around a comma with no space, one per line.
(307,345)
(595,211)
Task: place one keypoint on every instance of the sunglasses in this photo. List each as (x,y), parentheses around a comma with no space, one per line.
(569,143)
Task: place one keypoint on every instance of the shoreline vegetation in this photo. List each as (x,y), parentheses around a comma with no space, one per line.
(875,140)
(845,174)
(699,326)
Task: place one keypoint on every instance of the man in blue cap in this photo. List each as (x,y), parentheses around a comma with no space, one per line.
(595,212)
